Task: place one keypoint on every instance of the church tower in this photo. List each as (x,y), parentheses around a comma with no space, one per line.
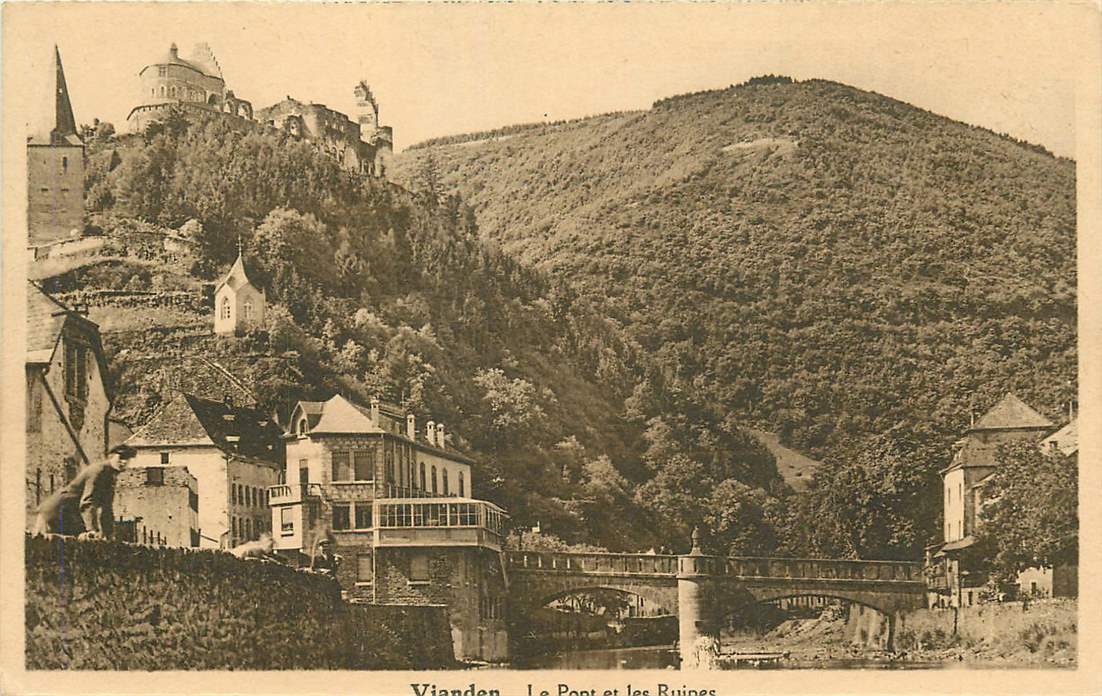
(55,163)
(238,304)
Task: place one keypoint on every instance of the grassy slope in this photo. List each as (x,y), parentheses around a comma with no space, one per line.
(826,261)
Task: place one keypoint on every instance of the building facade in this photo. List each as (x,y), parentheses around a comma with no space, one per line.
(396,502)
(159,505)
(235,454)
(239,305)
(55,165)
(951,564)
(187,85)
(68,398)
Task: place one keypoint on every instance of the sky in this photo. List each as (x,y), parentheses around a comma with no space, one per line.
(446,69)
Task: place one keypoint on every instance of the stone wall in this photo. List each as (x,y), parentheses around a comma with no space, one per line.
(163,503)
(120,606)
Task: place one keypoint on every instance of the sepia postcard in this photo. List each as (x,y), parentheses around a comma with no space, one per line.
(618,349)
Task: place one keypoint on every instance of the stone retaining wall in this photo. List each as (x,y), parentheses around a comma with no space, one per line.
(109,605)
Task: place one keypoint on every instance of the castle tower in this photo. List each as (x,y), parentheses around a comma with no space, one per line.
(238,304)
(380,138)
(55,163)
(367,110)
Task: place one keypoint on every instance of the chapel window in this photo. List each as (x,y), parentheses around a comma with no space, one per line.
(225,312)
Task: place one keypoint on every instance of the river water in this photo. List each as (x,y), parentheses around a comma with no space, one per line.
(665,657)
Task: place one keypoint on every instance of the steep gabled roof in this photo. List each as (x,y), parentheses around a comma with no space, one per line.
(238,273)
(193,420)
(341,416)
(1011,413)
(175,424)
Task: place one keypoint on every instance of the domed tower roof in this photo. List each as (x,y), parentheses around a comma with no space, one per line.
(204,63)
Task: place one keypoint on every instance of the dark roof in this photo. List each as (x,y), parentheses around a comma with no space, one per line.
(1011,413)
(54,123)
(190,419)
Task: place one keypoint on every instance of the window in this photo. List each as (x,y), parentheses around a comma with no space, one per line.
(419,568)
(341,517)
(193,500)
(162,71)
(286,521)
(388,457)
(37,486)
(364,464)
(34,403)
(462,491)
(434,480)
(233,493)
(164,458)
(363,515)
(444,476)
(248,533)
(224,313)
(948,495)
(233,525)
(342,470)
(303,472)
(365,571)
(76,370)
(64,164)
(302,427)
(248,308)
(154,476)
(51,483)
(423,487)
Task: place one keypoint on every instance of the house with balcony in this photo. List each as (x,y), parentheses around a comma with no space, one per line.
(396,501)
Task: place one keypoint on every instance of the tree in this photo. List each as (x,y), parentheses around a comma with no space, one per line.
(881,500)
(1030,518)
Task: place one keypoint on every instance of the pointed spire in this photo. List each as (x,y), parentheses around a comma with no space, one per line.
(65,123)
(53,123)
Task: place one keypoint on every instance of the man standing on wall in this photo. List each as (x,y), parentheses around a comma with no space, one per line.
(86,504)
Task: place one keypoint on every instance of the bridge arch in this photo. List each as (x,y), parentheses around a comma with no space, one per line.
(655,598)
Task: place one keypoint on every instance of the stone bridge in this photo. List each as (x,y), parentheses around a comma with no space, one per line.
(700,590)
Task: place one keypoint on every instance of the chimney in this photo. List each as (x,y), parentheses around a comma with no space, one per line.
(375,410)
(173,50)
(431,432)
(411,426)
(440,436)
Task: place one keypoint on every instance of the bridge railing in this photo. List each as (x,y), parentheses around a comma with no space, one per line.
(742,566)
(617,563)
(819,569)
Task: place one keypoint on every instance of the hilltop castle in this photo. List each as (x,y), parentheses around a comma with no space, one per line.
(196,85)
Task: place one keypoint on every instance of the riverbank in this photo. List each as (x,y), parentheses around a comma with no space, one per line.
(992,635)
(1045,634)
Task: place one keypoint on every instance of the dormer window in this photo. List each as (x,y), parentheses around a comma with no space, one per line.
(301,427)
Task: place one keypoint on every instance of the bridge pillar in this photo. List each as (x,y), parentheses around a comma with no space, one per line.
(696,616)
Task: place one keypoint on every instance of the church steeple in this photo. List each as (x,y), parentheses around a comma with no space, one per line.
(55,124)
(55,159)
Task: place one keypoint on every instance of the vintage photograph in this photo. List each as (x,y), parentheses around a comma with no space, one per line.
(485,337)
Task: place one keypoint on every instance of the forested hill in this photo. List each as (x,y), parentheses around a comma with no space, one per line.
(825,262)
(373,290)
